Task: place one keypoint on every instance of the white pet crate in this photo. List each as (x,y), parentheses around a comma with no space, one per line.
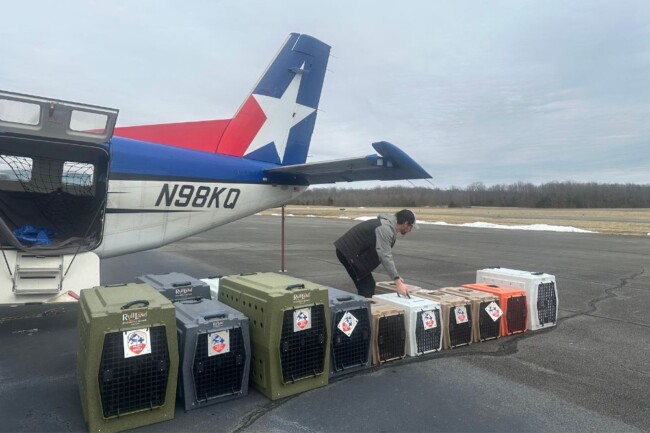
(424,325)
(540,288)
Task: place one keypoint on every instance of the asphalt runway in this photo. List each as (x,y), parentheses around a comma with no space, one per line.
(590,373)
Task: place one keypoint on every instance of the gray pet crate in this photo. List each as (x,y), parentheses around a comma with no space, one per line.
(175,286)
(214,343)
(351,322)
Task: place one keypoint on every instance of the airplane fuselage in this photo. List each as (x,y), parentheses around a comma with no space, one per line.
(160,194)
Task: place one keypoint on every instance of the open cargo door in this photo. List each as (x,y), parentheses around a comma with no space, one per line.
(54,162)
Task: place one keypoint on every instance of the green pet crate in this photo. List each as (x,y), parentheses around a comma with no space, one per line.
(127,357)
(289,321)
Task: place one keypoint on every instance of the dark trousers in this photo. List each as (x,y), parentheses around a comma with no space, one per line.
(366,285)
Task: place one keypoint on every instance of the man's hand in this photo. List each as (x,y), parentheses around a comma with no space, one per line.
(402,290)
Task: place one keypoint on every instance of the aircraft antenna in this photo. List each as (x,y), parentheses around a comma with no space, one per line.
(430,182)
(7,262)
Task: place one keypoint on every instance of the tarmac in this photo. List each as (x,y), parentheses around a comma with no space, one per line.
(589,373)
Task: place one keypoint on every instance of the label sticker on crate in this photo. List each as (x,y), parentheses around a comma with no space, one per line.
(348,323)
(494,311)
(461,315)
(301,319)
(134,317)
(429,319)
(136,342)
(218,343)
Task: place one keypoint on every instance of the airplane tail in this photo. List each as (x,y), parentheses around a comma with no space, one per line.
(276,121)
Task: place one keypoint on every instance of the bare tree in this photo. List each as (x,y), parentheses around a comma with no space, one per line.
(519,194)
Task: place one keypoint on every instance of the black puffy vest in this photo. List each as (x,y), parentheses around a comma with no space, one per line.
(359,246)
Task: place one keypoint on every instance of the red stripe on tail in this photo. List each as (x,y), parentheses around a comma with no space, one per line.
(202,135)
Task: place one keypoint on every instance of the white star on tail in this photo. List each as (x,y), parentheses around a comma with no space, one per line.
(281,115)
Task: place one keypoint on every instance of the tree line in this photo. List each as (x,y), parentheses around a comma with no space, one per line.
(520,194)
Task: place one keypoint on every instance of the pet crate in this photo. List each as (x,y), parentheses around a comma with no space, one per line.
(384,287)
(456,315)
(513,304)
(289,321)
(215,352)
(424,329)
(213,282)
(127,357)
(388,332)
(540,288)
(486,312)
(176,286)
(351,332)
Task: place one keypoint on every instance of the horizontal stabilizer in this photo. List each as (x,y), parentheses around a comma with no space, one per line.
(391,164)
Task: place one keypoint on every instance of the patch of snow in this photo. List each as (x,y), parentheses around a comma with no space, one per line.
(531,227)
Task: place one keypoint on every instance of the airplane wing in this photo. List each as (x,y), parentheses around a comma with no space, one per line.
(391,164)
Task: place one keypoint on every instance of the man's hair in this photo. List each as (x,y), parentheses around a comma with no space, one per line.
(405,216)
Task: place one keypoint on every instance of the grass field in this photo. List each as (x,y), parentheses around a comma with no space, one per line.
(612,221)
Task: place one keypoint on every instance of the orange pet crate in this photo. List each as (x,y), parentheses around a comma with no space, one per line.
(512,302)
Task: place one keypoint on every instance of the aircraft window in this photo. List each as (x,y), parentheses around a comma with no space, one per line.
(16,168)
(91,123)
(20,112)
(77,173)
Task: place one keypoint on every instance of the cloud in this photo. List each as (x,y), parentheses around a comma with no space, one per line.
(495,92)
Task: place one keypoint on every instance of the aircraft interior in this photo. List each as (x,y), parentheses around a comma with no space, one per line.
(52,194)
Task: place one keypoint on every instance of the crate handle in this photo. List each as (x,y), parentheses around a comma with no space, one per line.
(182,284)
(215,316)
(192,300)
(128,305)
(243,274)
(296,286)
(492,285)
(211,277)
(344,298)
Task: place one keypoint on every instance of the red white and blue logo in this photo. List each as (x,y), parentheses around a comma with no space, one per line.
(136,342)
(494,311)
(301,319)
(461,315)
(429,320)
(218,343)
(347,323)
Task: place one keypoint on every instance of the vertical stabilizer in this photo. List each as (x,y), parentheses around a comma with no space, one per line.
(276,121)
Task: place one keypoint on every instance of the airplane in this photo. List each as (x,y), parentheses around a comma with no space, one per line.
(75,188)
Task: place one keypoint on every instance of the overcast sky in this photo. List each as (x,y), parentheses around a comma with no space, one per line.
(475,91)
